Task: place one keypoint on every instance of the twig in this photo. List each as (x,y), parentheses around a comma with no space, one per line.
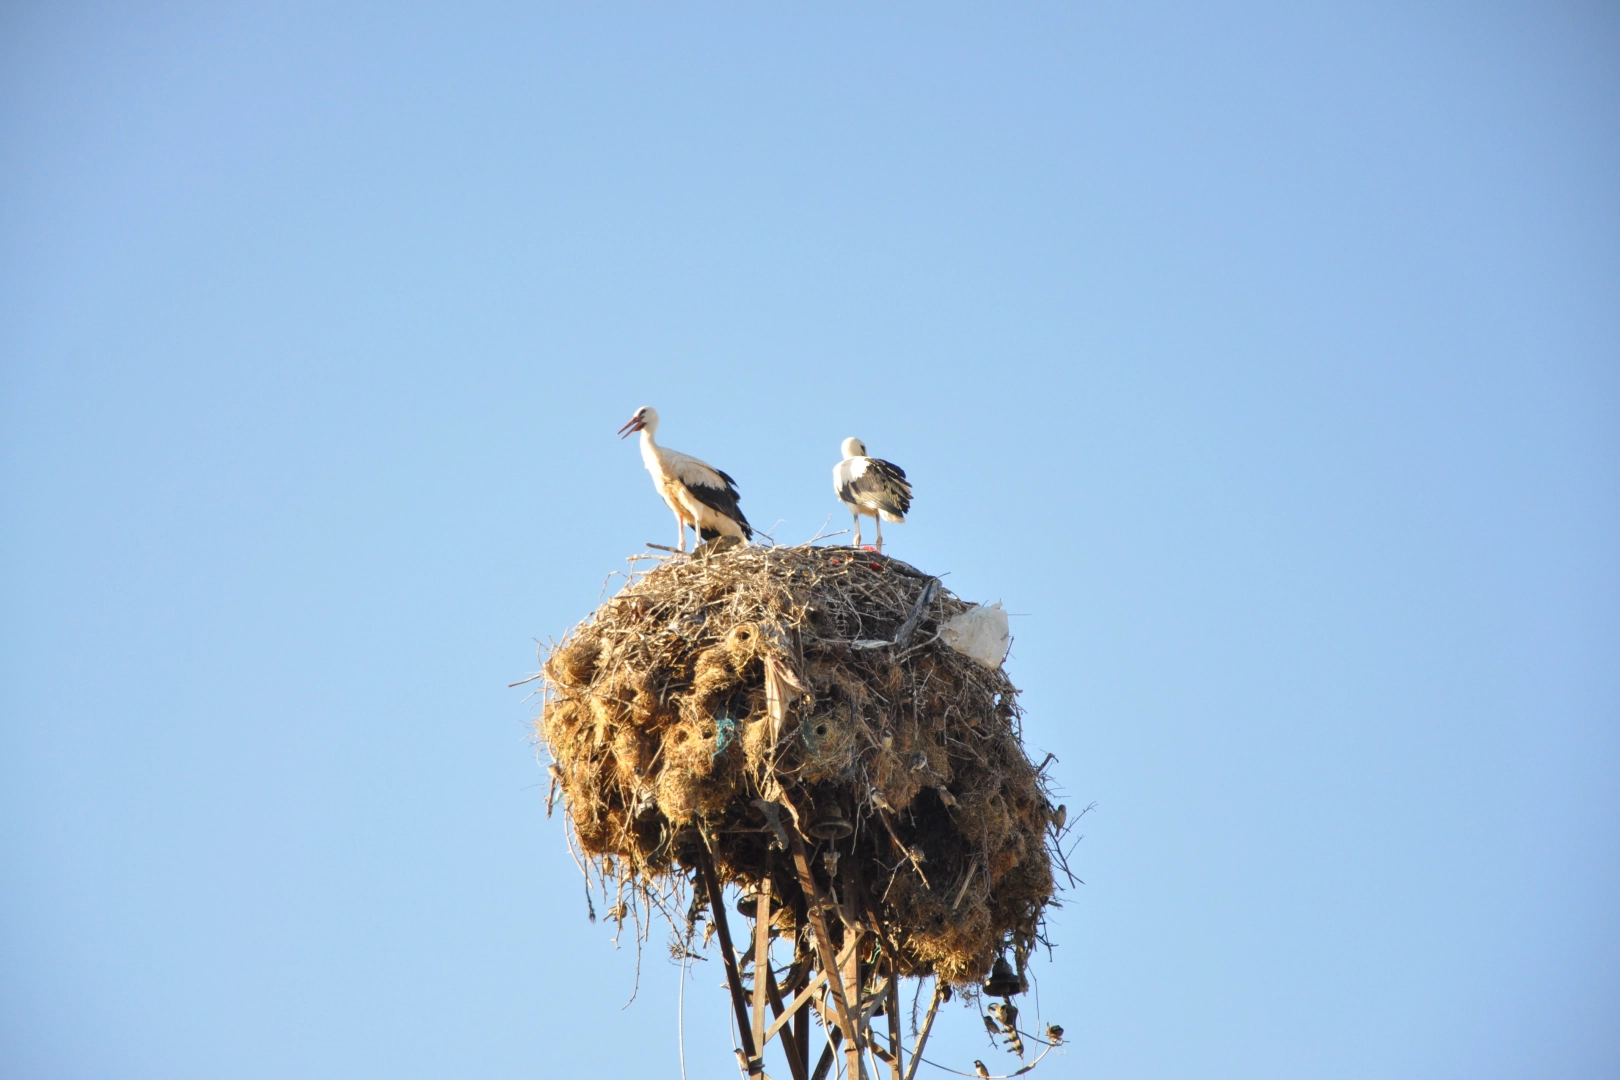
(902,636)
(822,534)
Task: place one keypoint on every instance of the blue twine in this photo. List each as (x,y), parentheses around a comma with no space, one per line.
(725,733)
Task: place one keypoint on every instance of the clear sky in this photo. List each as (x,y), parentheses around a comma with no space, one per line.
(1262,359)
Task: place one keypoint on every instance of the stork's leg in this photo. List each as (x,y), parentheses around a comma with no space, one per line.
(680,538)
(856,518)
(878,521)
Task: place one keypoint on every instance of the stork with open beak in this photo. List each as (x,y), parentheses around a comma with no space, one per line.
(871,487)
(700,495)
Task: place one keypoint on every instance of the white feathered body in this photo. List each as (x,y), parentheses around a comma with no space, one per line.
(872,487)
(700,494)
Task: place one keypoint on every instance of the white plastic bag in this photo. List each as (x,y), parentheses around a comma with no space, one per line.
(980,632)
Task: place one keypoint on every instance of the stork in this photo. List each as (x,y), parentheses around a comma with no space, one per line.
(871,487)
(700,495)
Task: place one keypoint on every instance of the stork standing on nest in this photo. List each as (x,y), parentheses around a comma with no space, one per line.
(700,495)
(872,487)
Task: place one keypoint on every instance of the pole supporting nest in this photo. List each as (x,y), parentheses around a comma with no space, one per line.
(856,989)
(717,908)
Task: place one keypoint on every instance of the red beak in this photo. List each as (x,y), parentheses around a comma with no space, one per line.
(632,427)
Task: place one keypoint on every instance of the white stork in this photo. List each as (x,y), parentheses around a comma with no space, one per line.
(700,495)
(871,486)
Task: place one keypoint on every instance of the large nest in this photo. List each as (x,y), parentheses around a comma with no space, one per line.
(814,678)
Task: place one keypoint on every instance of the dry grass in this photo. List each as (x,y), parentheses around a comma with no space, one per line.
(736,678)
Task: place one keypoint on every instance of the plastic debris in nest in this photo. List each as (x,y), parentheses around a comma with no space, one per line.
(980,632)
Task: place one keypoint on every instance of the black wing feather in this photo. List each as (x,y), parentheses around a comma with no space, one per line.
(881,485)
(723,501)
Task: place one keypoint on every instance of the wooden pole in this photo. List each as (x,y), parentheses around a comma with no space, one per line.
(894,1021)
(854,1060)
(797,1062)
(717,909)
(818,927)
(922,1036)
(824,1063)
(801,1032)
(802,947)
(762,961)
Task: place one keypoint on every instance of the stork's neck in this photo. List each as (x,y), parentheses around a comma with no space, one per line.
(649,452)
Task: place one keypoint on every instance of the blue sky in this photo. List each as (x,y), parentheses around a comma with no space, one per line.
(1262,359)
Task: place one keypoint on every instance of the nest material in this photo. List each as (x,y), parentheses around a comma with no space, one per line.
(716,685)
